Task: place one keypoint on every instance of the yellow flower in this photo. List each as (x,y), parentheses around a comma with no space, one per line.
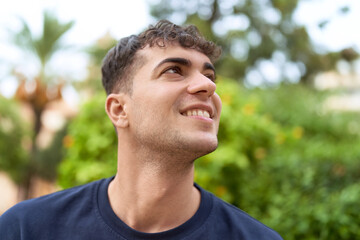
(220,191)
(260,153)
(248,109)
(298,132)
(226,99)
(68,141)
(280,138)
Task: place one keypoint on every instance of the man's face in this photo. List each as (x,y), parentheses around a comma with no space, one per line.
(173,106)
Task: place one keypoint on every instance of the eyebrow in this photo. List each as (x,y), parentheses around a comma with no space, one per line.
(181,61)
(209,66)
(185,62)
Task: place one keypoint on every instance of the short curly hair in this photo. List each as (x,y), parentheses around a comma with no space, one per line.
(121,62)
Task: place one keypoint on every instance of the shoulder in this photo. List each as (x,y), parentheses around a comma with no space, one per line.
(54,200)
(47,209)
(235,223)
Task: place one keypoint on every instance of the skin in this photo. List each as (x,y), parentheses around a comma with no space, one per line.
(153,189)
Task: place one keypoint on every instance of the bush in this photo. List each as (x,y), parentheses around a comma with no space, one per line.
(287,161)
(91,146)
(14,139)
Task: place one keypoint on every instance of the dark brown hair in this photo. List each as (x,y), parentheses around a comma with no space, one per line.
(120,63)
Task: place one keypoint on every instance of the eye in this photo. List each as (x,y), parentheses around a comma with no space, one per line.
(212,77)
(173,70)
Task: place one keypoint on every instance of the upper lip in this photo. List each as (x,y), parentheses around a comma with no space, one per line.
(204,107)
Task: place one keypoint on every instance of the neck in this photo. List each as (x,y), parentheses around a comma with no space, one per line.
(151,195)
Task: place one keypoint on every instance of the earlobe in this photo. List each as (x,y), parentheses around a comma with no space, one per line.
(115,107)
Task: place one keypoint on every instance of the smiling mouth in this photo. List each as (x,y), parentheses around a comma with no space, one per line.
(197,112)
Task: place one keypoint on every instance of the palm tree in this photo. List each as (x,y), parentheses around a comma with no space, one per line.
(43,48)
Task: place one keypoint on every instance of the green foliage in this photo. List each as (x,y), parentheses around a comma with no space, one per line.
(287,161)
(254,34)
(48,159)
(91,146)
(96,52)
(13,135)
(15,145)
(282,158)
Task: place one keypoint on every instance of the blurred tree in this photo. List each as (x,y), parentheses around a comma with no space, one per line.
(261,42)
(291,164)
(96,53)
(90,146)
(14,140)
(44,88)
(49,158)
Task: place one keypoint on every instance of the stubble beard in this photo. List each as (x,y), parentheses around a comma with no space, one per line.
(171,149)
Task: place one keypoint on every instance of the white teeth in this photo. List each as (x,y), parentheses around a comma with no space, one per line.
(197,112)
(206,114)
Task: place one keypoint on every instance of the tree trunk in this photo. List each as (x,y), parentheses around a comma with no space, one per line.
(26,186)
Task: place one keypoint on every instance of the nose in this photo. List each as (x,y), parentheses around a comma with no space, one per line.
(201,85)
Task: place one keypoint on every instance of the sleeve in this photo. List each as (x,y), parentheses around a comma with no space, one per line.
(10,226)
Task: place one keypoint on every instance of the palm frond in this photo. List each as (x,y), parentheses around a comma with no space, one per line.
(49,42)
(24,38)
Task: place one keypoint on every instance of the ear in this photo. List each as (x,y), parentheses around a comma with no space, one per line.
(115,107)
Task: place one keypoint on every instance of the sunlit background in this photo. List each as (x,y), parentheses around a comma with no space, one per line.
(289,79)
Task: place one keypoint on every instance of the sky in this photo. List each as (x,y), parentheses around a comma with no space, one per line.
(340,32)
(93,19)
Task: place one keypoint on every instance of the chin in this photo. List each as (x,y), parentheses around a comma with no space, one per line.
(203,147)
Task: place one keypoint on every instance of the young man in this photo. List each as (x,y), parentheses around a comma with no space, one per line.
(162,102)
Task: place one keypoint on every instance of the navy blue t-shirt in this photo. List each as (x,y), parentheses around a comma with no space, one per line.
(84,212)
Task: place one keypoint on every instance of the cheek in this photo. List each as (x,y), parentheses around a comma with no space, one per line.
(152,107)
(217,103)
(159,100)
